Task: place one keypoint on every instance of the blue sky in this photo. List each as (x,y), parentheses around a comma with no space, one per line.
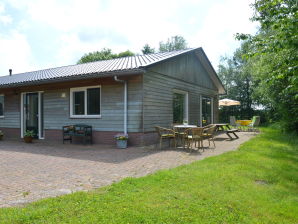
(37,34)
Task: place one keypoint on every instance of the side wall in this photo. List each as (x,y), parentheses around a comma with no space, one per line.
(184,73)
(57,104)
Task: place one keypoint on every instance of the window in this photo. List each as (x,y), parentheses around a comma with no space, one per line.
(180,106)
(1,106)
(206,111)
(85,102)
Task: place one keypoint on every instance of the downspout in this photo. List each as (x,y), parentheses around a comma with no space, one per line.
(125,102)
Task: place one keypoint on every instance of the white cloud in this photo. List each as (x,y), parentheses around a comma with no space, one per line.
(15,53)
(76,27)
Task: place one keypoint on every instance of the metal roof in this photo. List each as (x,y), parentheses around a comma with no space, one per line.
(132,64)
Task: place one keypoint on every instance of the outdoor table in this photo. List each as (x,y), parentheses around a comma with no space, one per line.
(243,122)
(185,126)
(220,127)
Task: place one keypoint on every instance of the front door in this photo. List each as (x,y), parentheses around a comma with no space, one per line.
(32,113)
(206,112)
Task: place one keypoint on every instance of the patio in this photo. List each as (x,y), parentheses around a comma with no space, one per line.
(33,171)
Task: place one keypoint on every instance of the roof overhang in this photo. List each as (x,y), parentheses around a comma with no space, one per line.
(74,78)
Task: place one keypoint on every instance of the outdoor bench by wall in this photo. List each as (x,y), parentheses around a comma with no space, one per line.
(77,130)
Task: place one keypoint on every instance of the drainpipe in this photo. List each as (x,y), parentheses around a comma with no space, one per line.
(125,102)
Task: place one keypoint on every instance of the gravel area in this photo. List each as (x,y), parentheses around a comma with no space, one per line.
(29,172)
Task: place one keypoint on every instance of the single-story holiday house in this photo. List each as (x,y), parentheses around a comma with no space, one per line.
(124,95)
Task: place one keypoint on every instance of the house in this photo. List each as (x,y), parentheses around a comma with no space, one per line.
(130,94)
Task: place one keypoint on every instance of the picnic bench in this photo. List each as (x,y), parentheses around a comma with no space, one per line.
(227,130)
(78,130)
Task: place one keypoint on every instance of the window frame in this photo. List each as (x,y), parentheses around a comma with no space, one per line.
(186,110)
(2,116)
(71,106)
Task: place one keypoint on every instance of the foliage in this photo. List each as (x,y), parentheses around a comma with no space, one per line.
(256,184)
(174,43)
(104,54)
(147,49)
(274,57)
(29,133)
(236,76)
(121,136)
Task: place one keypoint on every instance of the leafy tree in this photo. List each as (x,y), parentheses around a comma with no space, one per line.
(147,49)
(274,57)
(104,54)
(236,76)
(172,44)
(125,54)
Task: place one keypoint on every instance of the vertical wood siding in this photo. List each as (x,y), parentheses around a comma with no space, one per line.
(182,73)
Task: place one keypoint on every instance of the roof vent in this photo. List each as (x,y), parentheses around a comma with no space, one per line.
(10,71)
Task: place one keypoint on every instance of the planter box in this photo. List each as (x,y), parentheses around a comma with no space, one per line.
(121,144)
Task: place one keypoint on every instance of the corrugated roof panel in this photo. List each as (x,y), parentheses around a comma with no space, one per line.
(119,64)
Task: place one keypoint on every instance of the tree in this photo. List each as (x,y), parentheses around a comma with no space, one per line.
(104,54)
(236,76)
(274,57)
(125,54)
(147,49)
(174,43)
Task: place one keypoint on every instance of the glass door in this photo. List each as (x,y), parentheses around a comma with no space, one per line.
(33,113)
(206,115)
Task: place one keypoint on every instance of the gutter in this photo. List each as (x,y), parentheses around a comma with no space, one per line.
(125,103)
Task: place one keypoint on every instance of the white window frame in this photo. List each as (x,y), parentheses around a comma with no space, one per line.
(185,93)
(2,116)
(84,89)
(39,115)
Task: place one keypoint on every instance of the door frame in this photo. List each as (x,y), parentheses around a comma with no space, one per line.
(39,112)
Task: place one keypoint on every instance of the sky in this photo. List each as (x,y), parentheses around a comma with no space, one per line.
(39,34)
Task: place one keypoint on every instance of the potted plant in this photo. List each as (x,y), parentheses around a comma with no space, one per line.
(28,136)
(121,140)
(1,135)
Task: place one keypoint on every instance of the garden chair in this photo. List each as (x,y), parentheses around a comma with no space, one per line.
(165,133)
(194,135)
(233,123)
(209,134)
(253,126)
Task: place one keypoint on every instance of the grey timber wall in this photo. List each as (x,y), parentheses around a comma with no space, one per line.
(182,73)
(56,109)
(12,117)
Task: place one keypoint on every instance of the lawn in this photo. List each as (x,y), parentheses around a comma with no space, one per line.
(255,184)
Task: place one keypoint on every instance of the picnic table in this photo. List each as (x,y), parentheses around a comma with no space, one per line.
(228,131)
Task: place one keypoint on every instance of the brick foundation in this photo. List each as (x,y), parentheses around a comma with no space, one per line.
(99,137)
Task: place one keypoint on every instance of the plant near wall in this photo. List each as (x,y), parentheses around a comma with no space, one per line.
(28,136)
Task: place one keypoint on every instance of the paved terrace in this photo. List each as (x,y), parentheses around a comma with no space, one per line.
(29,172)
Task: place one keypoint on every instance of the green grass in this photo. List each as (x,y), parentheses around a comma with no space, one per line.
(256,184)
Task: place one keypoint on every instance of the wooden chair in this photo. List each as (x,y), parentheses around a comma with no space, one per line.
(209,134)
(165,133)
(195,135)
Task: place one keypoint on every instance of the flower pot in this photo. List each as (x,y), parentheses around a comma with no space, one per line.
(28,139)
(121,144)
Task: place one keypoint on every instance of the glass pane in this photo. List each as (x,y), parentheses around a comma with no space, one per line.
(178,108)
(31,112)
(93,101)
(79,103)
(41,116)
(1,105)
(206,111)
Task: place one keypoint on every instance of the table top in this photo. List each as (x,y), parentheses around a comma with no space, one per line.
(223,124)
(185,126)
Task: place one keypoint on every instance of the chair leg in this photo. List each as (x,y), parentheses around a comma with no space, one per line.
(160,143)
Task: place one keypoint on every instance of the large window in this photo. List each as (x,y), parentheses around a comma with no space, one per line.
(1,106)
(206,111)
(85,102)
(180,106)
